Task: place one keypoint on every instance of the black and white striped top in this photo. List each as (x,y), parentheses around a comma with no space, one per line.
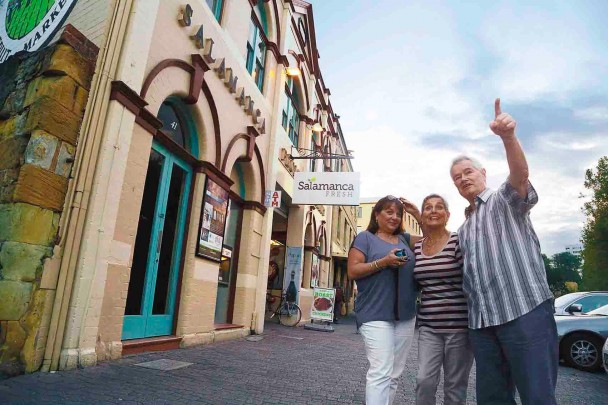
(443,305)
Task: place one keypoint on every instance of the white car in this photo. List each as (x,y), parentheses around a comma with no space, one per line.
(580,302)
(605,356)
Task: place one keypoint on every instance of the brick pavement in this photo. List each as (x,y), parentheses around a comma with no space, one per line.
(289,366)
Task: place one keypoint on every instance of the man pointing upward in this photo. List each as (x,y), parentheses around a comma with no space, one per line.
(512,329)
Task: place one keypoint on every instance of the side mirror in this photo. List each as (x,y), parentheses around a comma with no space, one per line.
(575,308)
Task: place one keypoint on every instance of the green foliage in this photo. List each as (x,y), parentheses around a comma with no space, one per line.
(562,268)
(595,231)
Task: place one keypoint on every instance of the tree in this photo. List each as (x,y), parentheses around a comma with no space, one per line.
(562,268)
(595,231)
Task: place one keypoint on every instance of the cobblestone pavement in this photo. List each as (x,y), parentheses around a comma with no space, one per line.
(288,366)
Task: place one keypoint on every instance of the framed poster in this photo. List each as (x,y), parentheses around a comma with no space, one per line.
(213,221)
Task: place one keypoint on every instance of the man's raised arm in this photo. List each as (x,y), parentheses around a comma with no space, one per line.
(504,126)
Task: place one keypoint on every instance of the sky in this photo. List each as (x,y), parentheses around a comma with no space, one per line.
(414,84)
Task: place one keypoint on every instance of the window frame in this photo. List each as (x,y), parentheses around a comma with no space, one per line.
(217,8)
(290,117)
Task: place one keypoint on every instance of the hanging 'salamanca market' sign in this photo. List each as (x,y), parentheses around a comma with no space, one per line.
(27,25)
(329,188)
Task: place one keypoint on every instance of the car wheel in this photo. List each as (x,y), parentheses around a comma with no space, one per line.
(582,351)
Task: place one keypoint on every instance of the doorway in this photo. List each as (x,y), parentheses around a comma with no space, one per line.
(150,306)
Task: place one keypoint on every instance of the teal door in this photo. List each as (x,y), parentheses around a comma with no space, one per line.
(150,306)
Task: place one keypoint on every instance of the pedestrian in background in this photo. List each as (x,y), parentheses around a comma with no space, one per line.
(512,329)
(385,304)
(443,340)
(338,301)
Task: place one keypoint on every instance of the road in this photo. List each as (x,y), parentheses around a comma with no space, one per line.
(287,366)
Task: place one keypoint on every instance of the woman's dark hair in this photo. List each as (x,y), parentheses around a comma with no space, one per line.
(381,205)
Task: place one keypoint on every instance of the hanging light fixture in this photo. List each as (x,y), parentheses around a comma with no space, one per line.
(293,71)
(317,127)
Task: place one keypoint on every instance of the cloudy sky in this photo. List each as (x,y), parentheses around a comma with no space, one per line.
(414,83)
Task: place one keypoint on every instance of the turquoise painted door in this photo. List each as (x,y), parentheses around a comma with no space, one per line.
(150,306)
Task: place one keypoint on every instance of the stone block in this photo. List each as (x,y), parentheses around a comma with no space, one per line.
(22,261)
(14,340)
(63,89)
(12,150)
(16,297)
(28,224)
(6,193)
(40,187)
(65,159)
(14,103)
(41,149)
(65,60)
(47,115)
(12,126)
(30,355)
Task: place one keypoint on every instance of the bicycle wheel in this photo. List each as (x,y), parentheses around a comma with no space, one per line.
(290,314)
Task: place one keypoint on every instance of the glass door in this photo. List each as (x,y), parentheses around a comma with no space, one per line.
(157,255)
(226,285)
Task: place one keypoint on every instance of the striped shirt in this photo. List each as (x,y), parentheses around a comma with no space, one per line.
(443,305)
(504,274)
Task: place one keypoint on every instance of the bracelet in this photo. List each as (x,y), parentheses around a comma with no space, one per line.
(376,265)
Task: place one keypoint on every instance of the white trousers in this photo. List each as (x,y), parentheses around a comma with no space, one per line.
(387,345)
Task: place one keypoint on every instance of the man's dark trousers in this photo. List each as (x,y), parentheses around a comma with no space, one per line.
(522,353)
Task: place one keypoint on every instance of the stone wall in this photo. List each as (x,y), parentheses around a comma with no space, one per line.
(42,102)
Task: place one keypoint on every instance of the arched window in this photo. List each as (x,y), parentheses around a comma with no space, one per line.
(291,117)
(178,125)
(216,8)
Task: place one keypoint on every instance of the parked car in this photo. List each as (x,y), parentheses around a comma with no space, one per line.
(581,338)
(580,302)
(605,356)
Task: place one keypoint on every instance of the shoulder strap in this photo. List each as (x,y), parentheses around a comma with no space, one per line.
(405,237)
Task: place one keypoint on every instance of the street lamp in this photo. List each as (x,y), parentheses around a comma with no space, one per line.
(293,71)
(317,127)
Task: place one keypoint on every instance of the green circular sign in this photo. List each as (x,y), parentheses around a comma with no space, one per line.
(28,25)
(23,16)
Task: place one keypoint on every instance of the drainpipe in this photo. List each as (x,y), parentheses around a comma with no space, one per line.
(79,193)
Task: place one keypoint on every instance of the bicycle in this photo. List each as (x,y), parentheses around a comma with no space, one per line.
(288,313)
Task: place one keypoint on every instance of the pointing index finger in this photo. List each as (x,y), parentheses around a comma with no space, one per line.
(497,110)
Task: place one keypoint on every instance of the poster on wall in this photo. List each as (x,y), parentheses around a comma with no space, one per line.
(314,271)
(276,267)
(213,221)
(293,272)
(30,25)
(323,300)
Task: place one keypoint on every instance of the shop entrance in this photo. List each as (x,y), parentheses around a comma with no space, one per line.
(226,285)
(150,306)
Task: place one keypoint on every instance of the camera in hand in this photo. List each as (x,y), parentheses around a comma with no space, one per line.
(401,253)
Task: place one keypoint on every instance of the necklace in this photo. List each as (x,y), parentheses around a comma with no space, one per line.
(432,243)
(388,238)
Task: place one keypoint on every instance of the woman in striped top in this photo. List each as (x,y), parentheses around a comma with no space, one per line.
(442,315)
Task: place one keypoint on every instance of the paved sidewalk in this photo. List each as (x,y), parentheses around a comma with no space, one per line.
(288,366)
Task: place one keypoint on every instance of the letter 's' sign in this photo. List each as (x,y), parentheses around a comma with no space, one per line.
(27,25)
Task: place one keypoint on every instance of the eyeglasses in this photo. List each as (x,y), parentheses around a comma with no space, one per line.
(393,198)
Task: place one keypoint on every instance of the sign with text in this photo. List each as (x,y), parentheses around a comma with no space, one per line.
(326,188)
(323,301)
(272,199)
(29,25)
